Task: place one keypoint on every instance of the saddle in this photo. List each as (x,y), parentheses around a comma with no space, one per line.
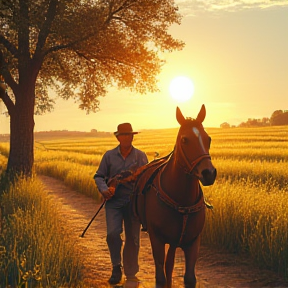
(148,174)
(144,180)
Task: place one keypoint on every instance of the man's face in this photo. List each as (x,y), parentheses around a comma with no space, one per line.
(125,140)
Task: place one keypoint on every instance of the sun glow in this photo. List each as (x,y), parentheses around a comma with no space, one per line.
(181,88)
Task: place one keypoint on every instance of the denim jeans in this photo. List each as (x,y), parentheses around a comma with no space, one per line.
(116,217)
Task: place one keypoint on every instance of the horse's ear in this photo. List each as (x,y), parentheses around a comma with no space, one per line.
(179,116)
(202,114)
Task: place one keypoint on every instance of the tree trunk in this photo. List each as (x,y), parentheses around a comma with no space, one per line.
(21,155)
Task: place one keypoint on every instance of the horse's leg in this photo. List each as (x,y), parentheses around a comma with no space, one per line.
(191,254)
(169,265)
(158,250)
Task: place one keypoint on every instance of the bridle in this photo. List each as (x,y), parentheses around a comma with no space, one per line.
(188,166)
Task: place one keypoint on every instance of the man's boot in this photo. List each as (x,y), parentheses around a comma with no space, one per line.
(116,275)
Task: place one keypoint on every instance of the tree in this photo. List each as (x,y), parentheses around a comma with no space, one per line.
(79,48)
(225,125)
(279,117)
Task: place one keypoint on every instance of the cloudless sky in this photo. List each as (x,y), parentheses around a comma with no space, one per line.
(236,54)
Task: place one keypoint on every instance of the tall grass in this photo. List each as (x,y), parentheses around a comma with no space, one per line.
(249,196)
(34,249)
(270,172)
(74,175)
(251,218)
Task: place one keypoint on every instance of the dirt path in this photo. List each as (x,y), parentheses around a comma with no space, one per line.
(214,269)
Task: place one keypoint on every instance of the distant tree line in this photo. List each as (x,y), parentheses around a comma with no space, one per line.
(278,117)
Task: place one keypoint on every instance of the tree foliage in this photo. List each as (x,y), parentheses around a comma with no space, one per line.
(278,117)
(225,125)
(79,48)
(85,46)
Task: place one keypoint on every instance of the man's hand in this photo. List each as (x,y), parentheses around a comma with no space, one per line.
(108,193)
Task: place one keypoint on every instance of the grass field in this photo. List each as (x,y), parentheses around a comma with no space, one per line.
(250,195)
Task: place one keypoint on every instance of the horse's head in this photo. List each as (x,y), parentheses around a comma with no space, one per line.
(192,148)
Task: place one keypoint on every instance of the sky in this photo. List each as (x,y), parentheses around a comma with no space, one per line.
(236,54)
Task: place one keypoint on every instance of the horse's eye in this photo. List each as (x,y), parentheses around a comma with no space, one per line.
(184,140)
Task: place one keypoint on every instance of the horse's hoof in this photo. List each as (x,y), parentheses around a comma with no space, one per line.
(190,285)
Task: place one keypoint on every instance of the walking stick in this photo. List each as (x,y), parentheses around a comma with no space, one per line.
(82,235)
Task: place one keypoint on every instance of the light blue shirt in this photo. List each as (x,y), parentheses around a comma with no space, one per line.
(113,163)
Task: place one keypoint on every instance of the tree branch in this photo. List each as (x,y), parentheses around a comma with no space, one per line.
(7,101)
(44,32)
(6,73)
(64,46)
(9,46)
(60,47)
(23,33)
(125,5)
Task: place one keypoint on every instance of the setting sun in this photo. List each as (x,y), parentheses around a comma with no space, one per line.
(181,88)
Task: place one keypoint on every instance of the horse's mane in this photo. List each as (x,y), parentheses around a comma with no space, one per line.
(190,122)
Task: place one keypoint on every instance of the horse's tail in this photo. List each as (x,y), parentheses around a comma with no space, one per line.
(169,264)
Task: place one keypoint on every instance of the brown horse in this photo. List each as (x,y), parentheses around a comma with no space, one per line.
(169,201)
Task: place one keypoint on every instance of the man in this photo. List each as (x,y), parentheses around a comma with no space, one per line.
(124,157)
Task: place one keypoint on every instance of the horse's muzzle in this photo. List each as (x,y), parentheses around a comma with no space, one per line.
(208,176)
